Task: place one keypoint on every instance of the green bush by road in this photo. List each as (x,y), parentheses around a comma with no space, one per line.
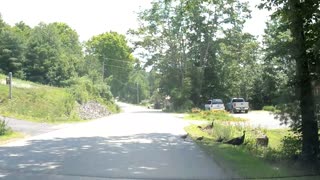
(213,115)
(6,133)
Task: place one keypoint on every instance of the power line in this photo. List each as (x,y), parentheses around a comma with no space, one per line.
(123,60)
(127,68)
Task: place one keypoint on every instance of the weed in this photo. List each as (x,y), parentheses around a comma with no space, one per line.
(4,129)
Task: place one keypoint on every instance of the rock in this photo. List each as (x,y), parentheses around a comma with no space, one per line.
(92,110)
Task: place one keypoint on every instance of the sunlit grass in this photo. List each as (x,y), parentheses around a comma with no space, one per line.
(42,104)
(10,136)
(240,159)
(214,115)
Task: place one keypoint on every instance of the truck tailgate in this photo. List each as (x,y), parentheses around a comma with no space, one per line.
(241,104)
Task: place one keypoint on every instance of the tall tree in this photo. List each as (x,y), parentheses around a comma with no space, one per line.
(182,39)
(53,54)
(114,54)
(301,17)
(12,49)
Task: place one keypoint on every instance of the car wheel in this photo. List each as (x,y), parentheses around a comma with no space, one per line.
(246,111)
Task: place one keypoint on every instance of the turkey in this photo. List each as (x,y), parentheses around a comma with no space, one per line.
(220,139)
(184,136)
(200,138)
(237,141)
(208,127)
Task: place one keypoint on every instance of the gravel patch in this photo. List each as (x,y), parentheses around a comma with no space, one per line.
(92,110)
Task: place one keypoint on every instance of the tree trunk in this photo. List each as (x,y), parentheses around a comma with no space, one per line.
(310,141)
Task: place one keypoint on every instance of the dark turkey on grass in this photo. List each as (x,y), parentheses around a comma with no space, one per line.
(220,139)
(237,141)
(209,126)
(184,136)
(199,138)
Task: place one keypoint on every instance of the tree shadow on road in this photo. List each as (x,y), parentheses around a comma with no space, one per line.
(152,155)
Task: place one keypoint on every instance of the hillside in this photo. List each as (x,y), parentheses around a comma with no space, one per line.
(40,103)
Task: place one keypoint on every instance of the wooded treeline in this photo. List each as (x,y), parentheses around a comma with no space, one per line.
(52,54)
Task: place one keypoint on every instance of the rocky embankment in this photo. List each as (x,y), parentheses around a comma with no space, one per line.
(92,110)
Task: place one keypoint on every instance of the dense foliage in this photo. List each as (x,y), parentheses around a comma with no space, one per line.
(52,54)
(198,50)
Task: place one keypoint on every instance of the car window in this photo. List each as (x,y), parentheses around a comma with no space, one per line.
(217,101)
(238,100)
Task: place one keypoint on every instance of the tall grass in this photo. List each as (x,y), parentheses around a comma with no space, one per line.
(250,160)
(42,104)
(213,115)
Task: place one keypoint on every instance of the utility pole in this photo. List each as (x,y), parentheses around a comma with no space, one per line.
(137,93)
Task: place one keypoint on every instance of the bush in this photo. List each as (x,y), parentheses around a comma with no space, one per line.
(291,146)
(195,110)
(4,129)
(269,108)
(222,131)
(83,89)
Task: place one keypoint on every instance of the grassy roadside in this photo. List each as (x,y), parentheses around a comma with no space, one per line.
(240,160)
(217,115)
(41,103)
(10,136)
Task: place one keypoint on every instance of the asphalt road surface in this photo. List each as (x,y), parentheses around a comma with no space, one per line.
(261,119)
(30,128)
(136,144)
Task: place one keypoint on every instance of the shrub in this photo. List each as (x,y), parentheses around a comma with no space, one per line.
(291,146)
(83,89)
(223,131)
(4,129)
(227,131)
(195,110)
(269,108)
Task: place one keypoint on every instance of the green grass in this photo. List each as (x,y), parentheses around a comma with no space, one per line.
(10,136)
(20,83)
(213,115)
(270,108)
(240,159)
(275,136)
(40,103)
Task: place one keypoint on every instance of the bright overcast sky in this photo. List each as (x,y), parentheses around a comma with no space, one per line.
(93,17)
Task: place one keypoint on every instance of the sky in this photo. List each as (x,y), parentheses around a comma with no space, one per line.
(93,17)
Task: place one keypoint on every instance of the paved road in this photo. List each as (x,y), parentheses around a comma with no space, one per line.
(262,119)
(30,128)
(136,144)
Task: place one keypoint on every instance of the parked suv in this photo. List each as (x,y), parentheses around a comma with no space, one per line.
(214,104)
